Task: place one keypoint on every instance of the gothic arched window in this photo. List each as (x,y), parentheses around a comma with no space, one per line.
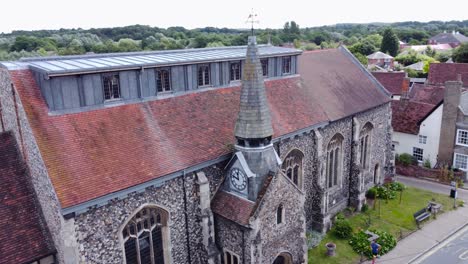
(144,237)
(292,167)
(334,156)
(364,144)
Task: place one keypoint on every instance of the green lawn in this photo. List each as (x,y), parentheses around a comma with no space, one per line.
(394,218)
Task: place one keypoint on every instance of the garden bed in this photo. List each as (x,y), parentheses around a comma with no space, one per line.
(395,219)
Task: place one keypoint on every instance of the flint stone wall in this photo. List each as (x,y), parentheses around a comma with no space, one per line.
(307,144)
(269,238)
(97,230)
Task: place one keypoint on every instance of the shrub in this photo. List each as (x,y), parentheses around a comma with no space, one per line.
(385,193)
(361,245)
(314,238)
(427,164)
(371,193)
(364,208)
(405,159)
(395,186)
(342,228)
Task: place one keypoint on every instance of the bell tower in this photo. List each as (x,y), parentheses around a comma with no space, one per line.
(253,129)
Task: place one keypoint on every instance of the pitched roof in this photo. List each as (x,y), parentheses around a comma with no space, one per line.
(379,55)
(424,93)
(92,154)
(406,115)
(232,207)
(392,81)
(24,236)
(439,73)
(339,83)
(418,48)
(418,66)
(449,38)
(254,119)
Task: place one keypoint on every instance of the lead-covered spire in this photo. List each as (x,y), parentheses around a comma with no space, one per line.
(253,126)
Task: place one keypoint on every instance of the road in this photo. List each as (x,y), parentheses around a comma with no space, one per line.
(453,250)
(432,186)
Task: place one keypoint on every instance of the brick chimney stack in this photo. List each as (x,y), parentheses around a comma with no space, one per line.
(449,120)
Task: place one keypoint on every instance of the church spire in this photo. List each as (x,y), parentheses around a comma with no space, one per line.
(253,127)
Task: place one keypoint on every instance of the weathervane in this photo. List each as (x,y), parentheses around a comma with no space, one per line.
(252,21)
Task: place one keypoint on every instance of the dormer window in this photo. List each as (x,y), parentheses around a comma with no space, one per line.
(111,87)
(264,63)
(286,65)
(203,75)
(163,80)
(235,70)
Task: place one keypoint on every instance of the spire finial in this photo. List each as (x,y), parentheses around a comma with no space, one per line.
(252,20)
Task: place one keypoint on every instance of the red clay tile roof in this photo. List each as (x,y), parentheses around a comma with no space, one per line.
(91,154)
(24,236)
(232,207)
(392,81)
(424,93)
(407,114)
(439,73)
(338,84)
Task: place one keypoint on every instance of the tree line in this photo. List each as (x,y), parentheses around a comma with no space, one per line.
(361,39)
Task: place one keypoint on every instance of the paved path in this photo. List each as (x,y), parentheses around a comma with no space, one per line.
(454,250)
(431,234)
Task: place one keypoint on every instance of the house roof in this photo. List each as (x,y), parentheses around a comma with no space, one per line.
(392,81)
(464,102)
(418,66)
(439,73)
(95,153)
(233,207)
(420,48)
(449,38)
(24,236)
(134,60)
(424,93)
(379,55)
(406,115)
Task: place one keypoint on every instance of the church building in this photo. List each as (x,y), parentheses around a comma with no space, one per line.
(217,155)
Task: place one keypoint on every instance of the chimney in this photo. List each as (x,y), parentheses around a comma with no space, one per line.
(449,119)
(405,88)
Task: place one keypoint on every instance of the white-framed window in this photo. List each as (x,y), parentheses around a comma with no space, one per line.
(422,139)
(334,161)
(418,153)
(163,80)
(203,75)
(280,214)
(111,86)
(230,257)
(286,65)
(460,161)
(462,137)
(235,71)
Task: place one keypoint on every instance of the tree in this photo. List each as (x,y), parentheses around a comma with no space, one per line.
(364,48)
(390,43)
(460,54)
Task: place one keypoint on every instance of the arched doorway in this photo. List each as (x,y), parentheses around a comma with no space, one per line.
(283,258)
(376,174)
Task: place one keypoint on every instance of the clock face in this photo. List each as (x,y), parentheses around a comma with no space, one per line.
(238,179)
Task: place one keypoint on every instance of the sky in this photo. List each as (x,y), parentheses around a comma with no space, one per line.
(55,14)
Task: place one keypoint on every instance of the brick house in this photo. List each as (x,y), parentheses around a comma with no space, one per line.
(454,39)
(380,59)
